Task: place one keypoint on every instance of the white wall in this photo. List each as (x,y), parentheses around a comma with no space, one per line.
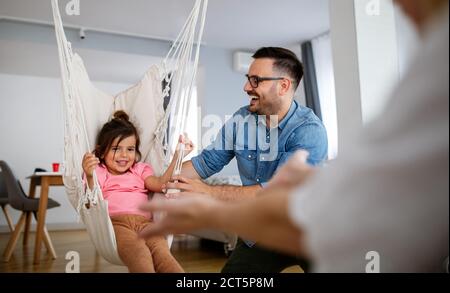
(346,68)
(377,55)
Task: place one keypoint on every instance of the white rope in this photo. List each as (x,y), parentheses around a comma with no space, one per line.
(190,87)
(74,110)
(182,82)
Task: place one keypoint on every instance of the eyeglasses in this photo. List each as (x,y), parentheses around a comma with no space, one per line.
(254,80)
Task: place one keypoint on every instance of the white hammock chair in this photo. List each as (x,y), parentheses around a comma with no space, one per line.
(86,109)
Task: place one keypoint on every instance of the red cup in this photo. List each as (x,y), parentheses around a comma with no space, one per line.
(55,167)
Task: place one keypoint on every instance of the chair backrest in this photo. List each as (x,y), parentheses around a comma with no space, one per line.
(16,195)
(3,192)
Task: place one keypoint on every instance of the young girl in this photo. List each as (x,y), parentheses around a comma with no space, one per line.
(125,183)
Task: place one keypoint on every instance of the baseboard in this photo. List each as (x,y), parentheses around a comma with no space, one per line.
(51,227)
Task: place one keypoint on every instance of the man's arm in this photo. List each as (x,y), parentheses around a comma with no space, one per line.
(316,151)
(190,181)
(188,171)
(234,193)
(270,210)
(264,219)
(220,192)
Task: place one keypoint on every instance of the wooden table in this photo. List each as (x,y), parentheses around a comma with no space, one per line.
(45,180)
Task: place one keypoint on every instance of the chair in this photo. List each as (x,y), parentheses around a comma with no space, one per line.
(20,201)
(4,201)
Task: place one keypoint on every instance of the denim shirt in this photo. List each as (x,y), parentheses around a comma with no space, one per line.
(260,151)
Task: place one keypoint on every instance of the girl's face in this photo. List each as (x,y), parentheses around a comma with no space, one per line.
(120,157)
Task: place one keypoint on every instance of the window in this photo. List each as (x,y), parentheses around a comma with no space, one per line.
(323,60)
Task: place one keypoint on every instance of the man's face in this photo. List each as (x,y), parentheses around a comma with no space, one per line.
(264,100)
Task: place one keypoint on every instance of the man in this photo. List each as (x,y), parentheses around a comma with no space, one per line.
(262,136)
(383,203)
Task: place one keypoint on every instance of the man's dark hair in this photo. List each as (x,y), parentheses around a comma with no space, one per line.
(284,60)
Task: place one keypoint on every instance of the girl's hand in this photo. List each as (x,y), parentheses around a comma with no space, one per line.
(90,162)
(188,145)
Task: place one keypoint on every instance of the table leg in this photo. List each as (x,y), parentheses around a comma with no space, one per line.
(48,243)
(31,194)
(43,200)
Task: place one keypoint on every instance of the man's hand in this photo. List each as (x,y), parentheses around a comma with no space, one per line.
(187,185)
(294,173)
(187,213)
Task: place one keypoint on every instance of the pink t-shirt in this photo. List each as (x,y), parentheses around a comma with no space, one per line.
(126,192)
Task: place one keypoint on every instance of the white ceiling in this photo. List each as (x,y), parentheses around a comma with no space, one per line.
(234,24)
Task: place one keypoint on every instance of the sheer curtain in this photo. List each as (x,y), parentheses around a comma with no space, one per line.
(323,61)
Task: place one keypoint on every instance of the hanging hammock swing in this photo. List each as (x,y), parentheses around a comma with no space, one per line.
(86,109)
